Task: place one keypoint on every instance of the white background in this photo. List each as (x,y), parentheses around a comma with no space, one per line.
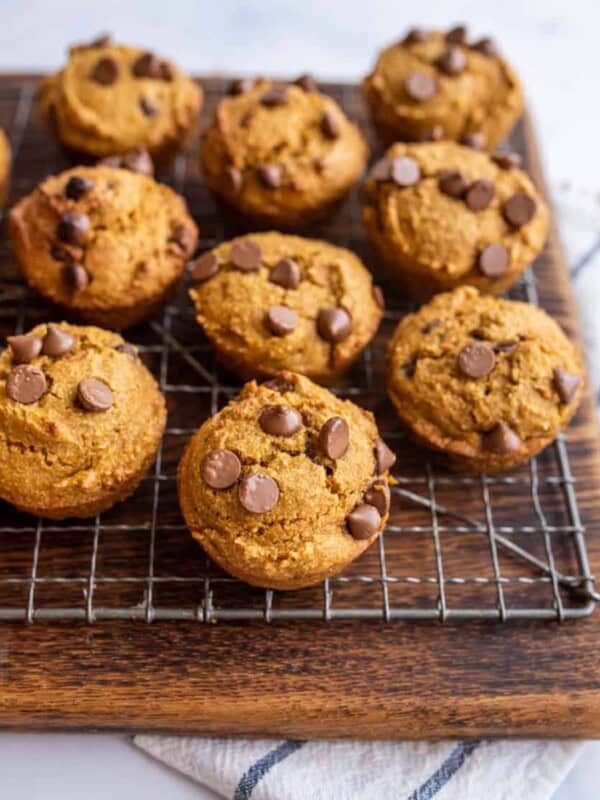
(553,43)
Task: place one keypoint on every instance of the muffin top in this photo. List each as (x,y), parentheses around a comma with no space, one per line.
(480,374)
(273,149)
(272,301)
(79,413)
(441,87)
(463,215)
(110,98)
(270,483)
(100,237)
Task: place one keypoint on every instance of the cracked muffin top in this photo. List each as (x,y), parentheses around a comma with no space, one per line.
(271,302)
(281,154)
(80,419)
(489,381)
(111,98)
(441,215)
(104,243)
(435,85)
(287,484)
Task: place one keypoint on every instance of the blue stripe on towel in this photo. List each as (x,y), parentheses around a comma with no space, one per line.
(259,769)
(449,768)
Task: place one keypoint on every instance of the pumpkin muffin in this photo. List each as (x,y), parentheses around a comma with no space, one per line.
(442,215)
(489,382)
(5,159)
(281,155)
(271,302)
(80,420)
(286,485)
(434,85)
(112,98)
(104,244)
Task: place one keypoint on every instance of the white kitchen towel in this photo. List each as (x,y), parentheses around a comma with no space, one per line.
(464,770)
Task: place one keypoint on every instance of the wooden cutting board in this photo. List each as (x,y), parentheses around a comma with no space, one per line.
(342,678)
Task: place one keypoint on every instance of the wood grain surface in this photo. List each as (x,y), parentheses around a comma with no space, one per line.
(363,679)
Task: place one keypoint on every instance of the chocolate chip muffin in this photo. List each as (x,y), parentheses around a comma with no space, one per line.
(287,484)
(111,98)
(281,155)
(441,215)
(80,420)
(434,85)
(271,302)
(489,382)
(5,159)
(105,244)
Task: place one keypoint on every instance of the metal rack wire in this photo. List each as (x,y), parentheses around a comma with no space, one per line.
(456,548)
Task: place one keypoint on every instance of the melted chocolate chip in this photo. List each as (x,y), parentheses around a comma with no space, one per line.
(378,495)
(431,326)
(73,228)
(457,35)
(77,187)
(286,273)
(183,238)
(420,87)
(519,209)
(364,521)
(128,349)
(270,175)
(502,439)
(384,457)
(280,420)
(405,171)
(137,160)
(258,493)
(508,160)
(105,72)
(220,469)
(307,82)
(241,86)
(493,260)
(57,342)
(453,183)
(505,347)
(474,139)
(282,320)
(24,348)
(334,324)
(26,384)
(147,66)
(232,180)
(565,384)
(76,277)
(416,36)
(334,438)
(279,385)
(409,367)
(480,194)
(330,125)
(452,62)
(148,109)
(476,360)
(205,267)
(277,96)
(246,255)
(485,46)
(94,394)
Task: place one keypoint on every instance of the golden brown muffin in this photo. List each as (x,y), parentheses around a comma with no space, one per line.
(105,244)
(434,85)
(442,215)
(80,420)
(489,382)
(286,485)
(112,98)
(281,155)
(271,302)
(5,161)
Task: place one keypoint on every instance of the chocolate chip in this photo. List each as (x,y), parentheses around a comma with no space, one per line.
(416,36)
(105,72)
(431,326)
(280,420)
(334,438)
(258,493)
(279,385)
(147,66)
(420,87)
(475,140)
(94,395)
(128,349)
(480,194)
(330,125)
(405,171)
(246,255)
(220,469)
(182,237)
(205,267)
(270,175)
(286,273)
(502,439)
(282,320)
(241,86)
(77,187)
(24,348)
(457,35)
(519,209)
(378,296)
(103,40)
(364,521)
(277,96)
(73,228)
(452,61)
(452,183)
(57,342)
(381,170)
(409,367)
(493,260)
(565,384)
(384,457)
(476,360)
(26,384)
(307,82)
(148,109)
(232,180)
(378,495)
(76,277)
(334,324)
(59,253)
(505,347)
(507,160)
(138,160)
(485,46)
(166,71)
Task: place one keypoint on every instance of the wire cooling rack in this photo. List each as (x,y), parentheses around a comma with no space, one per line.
(456,547)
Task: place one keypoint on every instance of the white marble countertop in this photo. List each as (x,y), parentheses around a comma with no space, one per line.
(554,46)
